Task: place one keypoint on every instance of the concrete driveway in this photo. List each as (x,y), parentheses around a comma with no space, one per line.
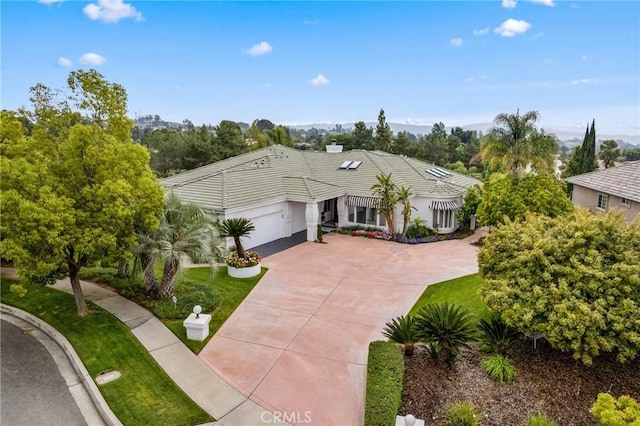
(298,343)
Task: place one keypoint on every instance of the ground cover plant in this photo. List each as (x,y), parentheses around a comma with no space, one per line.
(144,394)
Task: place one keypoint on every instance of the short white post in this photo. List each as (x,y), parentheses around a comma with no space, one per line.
(408,420)
(197,324)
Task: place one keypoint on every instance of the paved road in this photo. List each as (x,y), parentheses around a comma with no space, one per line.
(33,389)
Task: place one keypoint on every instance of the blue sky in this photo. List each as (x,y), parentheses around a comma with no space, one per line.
(311,62)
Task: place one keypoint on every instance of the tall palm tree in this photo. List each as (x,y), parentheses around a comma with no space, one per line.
(385,189)
(515,142)
(184,233)
(404,197)
(236,228)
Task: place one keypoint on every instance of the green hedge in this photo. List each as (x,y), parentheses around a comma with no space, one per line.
(385,375)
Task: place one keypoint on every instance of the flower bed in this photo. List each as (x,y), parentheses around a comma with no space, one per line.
(417,240)
(251,258)
(378,234)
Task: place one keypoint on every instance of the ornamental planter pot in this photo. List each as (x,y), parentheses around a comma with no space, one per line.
(248,272)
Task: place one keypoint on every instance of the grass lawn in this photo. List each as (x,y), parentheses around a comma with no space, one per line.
(232,293)
(463,291)
(144,394)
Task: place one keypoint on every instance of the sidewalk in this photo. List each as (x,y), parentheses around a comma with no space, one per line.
(200,383)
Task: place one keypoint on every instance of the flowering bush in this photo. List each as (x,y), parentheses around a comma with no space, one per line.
(251,258)
(378,235)
(418,240)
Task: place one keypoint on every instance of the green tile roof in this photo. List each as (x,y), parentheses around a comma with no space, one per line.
(281,173)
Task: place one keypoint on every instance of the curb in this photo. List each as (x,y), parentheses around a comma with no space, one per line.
(92,389)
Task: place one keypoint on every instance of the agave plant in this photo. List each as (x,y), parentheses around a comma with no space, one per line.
(496,336)
(402,330)
(447,327)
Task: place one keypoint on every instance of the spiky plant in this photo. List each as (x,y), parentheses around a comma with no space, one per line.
(402,330)
(447,326)
(235,228)
(496,336)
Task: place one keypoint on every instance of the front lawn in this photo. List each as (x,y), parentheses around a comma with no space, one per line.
(463,291)
(144,394)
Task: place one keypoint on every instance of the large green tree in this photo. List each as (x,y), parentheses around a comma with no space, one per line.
(73,190)
(504,195)
(384,136)
(583,158)
(515,142)
(574,279)
(609,153)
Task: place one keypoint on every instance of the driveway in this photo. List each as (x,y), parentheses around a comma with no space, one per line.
(298,343)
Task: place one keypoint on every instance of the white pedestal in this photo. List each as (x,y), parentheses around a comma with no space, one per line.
(197,328)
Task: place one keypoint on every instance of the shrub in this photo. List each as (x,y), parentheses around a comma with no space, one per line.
(417,230)
(446,326)
(499,368)
(616,412)
(462,413)
(496,336)
(187,295)
(402,330)
(127,287)
(385,374)
(540,420)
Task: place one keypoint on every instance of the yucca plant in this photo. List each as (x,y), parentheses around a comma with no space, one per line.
(496,336)
(499,368)
(402,330)
(447,327)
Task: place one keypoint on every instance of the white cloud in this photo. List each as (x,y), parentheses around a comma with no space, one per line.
(549,3)
(111,11)
(509,4)
(261,48)
(92,59)
(49,1)
(319,80)
(481,32)
(584,81)
(456,42)
(512,27)
(64,62)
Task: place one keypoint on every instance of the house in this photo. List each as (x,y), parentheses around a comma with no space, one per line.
(613,188)
(284,191)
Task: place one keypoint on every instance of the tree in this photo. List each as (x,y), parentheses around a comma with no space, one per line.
(583,158)
(72,192)
(236,228)
(515,142)
(404,197)
(385,190)
(362,136)
(574,279)
(609,153)
(402,145)
(471,202)
(506,196)
(185,232)
(384,136)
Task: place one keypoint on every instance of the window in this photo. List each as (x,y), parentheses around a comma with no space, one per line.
(365,216)
(626,202)
(443,219)
(602,202)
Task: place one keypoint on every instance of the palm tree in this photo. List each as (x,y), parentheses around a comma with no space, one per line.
(404,197)
(385,189)
(236,228)
(515,142)
(446,328)
(402,330)
(184,233)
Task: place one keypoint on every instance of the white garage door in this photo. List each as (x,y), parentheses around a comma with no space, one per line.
(268,228)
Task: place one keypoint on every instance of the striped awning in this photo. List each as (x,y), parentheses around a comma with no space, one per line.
(362,201)
(445,205)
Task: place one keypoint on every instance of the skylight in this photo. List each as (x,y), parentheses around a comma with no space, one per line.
(350,165)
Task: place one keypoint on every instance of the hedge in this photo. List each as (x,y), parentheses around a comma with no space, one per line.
(385,375)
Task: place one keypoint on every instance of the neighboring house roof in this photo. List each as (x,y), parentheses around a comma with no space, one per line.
(282,173)
(621,181)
